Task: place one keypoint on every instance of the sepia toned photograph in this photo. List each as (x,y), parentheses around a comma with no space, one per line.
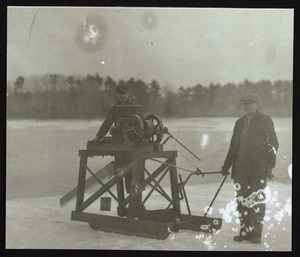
(134,128)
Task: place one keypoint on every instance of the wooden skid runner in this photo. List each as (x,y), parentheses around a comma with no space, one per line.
(126,226)
(198,223)
(183,221)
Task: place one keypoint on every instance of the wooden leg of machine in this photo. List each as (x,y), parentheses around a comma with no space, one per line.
(135,204)
(174,185)
(81,181)
(141,176)
(119,162)
(121,210)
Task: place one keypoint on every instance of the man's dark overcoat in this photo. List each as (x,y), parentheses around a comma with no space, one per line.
(261,133)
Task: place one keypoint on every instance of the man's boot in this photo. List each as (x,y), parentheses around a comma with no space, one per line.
(243,236)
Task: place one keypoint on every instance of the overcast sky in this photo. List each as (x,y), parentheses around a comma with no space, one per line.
(178,46)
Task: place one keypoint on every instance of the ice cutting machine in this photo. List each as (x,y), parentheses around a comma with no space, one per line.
(141,139)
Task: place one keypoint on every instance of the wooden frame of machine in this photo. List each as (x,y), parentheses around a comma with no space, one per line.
(141,141)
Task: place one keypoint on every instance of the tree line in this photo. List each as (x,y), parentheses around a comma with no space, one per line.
(54,96)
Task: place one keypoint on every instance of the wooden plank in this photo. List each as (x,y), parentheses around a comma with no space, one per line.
(126,226)
(141,154)
(162,154)
(110,145)
(120,192)
(199,223)
(81,181)
(161,215)
(174,185)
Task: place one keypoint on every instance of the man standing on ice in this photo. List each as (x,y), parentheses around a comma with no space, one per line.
(122,93)
(252,155)
(112,118)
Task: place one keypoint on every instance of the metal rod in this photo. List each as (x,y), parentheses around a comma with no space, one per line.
(215,195)
(102,184)
(166,139)
(185,147)
(171,165)
(183,184)
(185,197)
(213,172)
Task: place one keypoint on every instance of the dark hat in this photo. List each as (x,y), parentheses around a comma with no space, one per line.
(250,97)
(122,88)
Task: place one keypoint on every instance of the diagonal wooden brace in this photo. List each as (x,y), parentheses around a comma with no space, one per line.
(102,184)
(154,187)
(158,188)
(158,171)
(105,172)
(108,185)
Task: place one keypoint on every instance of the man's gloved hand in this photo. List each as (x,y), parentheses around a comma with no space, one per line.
(224,172)
(269,172)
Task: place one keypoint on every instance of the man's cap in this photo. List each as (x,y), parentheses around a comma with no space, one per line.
(250,97)
(122,88)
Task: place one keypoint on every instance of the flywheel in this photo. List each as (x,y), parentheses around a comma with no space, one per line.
(133,129)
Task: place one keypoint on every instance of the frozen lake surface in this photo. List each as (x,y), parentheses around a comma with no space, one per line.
(42,165)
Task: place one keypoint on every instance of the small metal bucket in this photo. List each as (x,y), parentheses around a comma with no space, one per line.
(105,203)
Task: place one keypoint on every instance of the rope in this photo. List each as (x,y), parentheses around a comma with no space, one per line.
(188,159)
(185,147)
(179,128)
